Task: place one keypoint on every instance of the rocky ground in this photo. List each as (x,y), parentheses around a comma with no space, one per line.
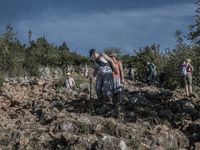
(37,115)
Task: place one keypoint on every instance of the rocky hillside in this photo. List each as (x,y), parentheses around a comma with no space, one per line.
(35,114)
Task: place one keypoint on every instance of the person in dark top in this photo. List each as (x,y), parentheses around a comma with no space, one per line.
(161,76)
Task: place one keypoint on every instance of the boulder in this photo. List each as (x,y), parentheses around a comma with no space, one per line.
(140,100)
(167,138)
(65,126)
(108,142)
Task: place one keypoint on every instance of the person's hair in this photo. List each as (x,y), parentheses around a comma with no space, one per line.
(146,62)
(188,60)
(184,62)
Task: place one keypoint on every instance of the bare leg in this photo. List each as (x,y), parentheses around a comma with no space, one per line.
(103,100)
(190,89)
(120,97)
(115,98)
(186,90)
(110,100)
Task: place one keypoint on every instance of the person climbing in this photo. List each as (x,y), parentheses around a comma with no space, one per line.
(132,74)
(68,69)
(187,78)
(161,76)
(152,72)
(129,73)
(69,81)
(103,65)
(86,71)
(118,80)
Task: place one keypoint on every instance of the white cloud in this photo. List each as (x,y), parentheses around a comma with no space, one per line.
(126,29)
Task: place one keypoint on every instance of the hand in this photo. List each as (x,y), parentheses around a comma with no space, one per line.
(91,78)
(115,71)
(122,81)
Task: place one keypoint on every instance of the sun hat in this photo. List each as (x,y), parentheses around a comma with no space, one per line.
(68,74)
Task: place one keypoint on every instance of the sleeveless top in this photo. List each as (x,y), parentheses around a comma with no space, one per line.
(68,82)
(105,69)
(117,67)
(187,68)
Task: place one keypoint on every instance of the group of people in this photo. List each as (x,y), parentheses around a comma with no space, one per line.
(110,77)
(110,80)
(151,73)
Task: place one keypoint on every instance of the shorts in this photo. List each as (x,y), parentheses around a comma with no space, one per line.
(187,79)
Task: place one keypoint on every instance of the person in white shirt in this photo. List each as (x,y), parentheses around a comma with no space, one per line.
(69,81)
(86,71)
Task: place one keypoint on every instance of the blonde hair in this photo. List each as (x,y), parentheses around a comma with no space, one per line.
(184,62)
(188,60)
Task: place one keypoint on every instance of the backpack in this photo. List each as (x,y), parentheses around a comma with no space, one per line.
(183,71)
(103,64)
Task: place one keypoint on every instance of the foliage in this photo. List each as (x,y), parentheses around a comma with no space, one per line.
(134,143)
(16,59)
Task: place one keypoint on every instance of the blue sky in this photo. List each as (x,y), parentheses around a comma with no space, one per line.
(87,24)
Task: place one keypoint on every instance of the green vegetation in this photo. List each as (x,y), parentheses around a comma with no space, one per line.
(133,143)
(16,59)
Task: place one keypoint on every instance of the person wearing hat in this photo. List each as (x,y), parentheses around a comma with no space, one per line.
(118,80)
(103,65)
(161,76)
(69,81)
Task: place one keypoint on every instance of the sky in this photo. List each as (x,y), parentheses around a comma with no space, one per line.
(99,24)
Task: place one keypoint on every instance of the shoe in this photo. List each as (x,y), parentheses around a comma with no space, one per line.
(111,105)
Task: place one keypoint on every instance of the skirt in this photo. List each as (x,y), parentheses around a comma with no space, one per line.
(117,85)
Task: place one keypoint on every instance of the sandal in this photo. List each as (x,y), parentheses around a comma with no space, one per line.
(111,105)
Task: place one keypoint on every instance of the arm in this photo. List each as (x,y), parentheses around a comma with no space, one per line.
(73,83)
(153,68)
(191,68)
(180,69)
(121,72)
(109,60)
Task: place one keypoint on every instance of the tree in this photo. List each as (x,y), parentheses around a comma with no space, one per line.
(110,50)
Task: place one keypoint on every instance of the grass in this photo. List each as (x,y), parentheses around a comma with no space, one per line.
(27,134)
(196,90)
(109,127)
(179,118)
(84,128)
(133,143)
(5,141)
(143,112)
(166,122)
(12,116)
(5,130)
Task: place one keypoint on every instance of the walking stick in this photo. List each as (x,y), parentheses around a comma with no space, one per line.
(91,96)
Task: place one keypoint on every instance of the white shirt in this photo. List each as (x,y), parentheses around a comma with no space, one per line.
(68,82)
(105,69)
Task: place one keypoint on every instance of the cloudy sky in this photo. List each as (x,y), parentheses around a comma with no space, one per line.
(86,24)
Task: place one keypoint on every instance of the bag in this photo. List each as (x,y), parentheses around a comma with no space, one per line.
(104,64)
(183,71)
